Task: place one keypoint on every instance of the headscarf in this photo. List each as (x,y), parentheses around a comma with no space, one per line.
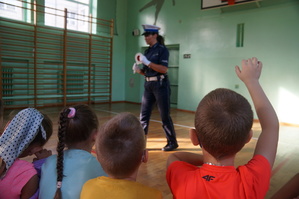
(20,132)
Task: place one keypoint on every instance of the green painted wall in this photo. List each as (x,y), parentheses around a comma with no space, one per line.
(119,52)
(271,33)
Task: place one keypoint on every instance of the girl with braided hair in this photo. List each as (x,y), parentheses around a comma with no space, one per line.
(64,174)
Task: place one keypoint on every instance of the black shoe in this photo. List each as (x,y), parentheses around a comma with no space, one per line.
(170,147)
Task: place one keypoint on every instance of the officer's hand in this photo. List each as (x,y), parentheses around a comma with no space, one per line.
(135,68)
(137,58)
(144,60)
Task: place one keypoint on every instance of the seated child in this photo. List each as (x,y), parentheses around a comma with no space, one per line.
(25,135)
(120,147)
(64,174)
(223,122)
(40,155)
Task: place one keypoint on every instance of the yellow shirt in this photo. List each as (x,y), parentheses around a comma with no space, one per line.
(105,187)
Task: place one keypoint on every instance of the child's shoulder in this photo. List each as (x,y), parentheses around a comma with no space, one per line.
(182,165)
(22,169)
(149,192)
(74,159)
(258,161)
(258,165)
(22,164)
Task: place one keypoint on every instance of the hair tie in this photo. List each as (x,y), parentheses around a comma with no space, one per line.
(71,113)
(58,184)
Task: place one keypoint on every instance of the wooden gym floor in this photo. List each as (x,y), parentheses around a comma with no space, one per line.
(153,172)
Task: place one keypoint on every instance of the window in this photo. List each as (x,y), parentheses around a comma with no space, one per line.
(77,14)
(15,9)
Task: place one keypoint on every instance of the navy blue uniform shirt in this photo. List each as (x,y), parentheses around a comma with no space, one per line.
(157,54)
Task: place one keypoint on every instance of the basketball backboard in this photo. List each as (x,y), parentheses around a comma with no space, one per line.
(207,4)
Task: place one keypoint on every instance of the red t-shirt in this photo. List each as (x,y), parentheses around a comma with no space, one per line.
(226,182)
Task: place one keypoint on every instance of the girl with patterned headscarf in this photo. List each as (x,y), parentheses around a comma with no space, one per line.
(25,135)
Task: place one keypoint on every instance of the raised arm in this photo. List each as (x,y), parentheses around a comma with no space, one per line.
(249,73)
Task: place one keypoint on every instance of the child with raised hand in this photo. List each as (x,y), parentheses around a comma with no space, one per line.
(120,147)
(24,135)
(64,174)
(223,122)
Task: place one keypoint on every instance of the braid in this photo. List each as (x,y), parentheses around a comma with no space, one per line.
(63,121)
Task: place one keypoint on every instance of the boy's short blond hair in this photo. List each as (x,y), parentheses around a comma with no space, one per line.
(120,145)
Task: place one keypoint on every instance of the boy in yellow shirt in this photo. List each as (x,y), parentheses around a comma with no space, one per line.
(120,147)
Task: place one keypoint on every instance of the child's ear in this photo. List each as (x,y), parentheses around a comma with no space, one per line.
(193,137)
(250,134)
(144,158)
(94,135)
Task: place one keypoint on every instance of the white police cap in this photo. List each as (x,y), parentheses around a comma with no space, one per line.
(150,29)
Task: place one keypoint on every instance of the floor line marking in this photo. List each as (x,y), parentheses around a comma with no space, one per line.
(150,120)
(173,124)
(180,125)
(107,111)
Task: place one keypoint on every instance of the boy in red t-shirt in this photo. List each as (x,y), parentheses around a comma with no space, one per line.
(223,122)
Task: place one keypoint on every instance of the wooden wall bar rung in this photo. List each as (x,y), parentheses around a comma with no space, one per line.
(43,66)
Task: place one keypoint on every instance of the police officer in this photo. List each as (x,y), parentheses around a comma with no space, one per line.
(156,85)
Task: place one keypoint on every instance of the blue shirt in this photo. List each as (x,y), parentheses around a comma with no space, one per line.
(78,167)
(158,54)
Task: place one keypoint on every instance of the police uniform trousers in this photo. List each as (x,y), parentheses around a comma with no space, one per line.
(158,92)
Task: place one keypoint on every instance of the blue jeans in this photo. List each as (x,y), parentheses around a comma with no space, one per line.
(157,92)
